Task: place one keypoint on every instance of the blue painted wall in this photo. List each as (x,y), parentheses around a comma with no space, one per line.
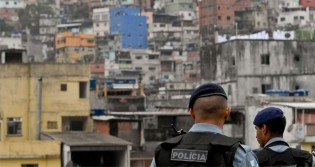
(132,27)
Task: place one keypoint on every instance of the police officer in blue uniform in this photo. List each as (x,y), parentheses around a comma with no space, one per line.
(205,144)
(270,124)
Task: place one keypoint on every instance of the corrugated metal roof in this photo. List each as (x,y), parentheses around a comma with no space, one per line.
(86,139)
(298,105)
(148,113)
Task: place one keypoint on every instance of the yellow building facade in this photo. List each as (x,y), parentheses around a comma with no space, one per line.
(75,47)
(64,106)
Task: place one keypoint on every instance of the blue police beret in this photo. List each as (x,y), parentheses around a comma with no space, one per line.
(209,89)
(268,114)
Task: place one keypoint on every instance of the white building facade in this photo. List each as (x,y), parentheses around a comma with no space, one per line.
(101,22)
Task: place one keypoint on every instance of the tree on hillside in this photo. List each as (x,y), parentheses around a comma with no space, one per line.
(29,17)
(4,27)
(82,12)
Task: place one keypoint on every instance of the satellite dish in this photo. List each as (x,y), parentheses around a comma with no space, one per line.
(287,35)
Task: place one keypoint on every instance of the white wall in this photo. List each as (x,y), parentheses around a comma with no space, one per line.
(300,18)
(12,4)
(12,42)
(101,21)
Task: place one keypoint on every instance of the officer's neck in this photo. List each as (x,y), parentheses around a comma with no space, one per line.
(218,123)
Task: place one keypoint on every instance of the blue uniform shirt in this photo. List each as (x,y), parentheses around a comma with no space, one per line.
(281,148)
(244,157)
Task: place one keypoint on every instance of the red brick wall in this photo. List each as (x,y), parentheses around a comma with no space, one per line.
(242,4)
(125,125)
(101,127)
(307,3)
(216,12)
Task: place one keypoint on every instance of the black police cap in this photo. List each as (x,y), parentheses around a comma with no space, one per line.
(205,90)
(267,114)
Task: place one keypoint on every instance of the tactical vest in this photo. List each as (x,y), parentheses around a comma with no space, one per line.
(289,157)
(197,149)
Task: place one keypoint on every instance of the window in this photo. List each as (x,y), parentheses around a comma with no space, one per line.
(282,19)
(152,78)
(14,126)
(29,165)
(153,57)
(265,87)
(296,57)
(152,68)
(233,61)
(76,125)
(138,57)
(219,17)
(228,17)
(52,125)
(138,68)
(192,75)
(301,17)
(255,90)
(83,89)
(265,59)
(63,87)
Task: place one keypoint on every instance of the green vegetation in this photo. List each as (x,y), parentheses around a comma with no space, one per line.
(81,13)
(29,17)
(4,27)
(304,35)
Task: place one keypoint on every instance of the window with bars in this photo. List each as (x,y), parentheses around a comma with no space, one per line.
(52,125)
(14,126)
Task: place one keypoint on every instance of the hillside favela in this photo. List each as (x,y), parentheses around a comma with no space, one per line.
(103,82)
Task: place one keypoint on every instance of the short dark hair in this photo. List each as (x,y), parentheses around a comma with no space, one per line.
(276,125)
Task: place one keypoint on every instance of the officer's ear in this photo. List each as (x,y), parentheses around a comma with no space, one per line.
(192,113)
(264,129)
(227,112)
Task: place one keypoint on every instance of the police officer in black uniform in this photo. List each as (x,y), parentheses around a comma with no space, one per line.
(205,144)
(270,124)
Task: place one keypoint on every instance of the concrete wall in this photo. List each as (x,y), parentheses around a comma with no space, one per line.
(238,66)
